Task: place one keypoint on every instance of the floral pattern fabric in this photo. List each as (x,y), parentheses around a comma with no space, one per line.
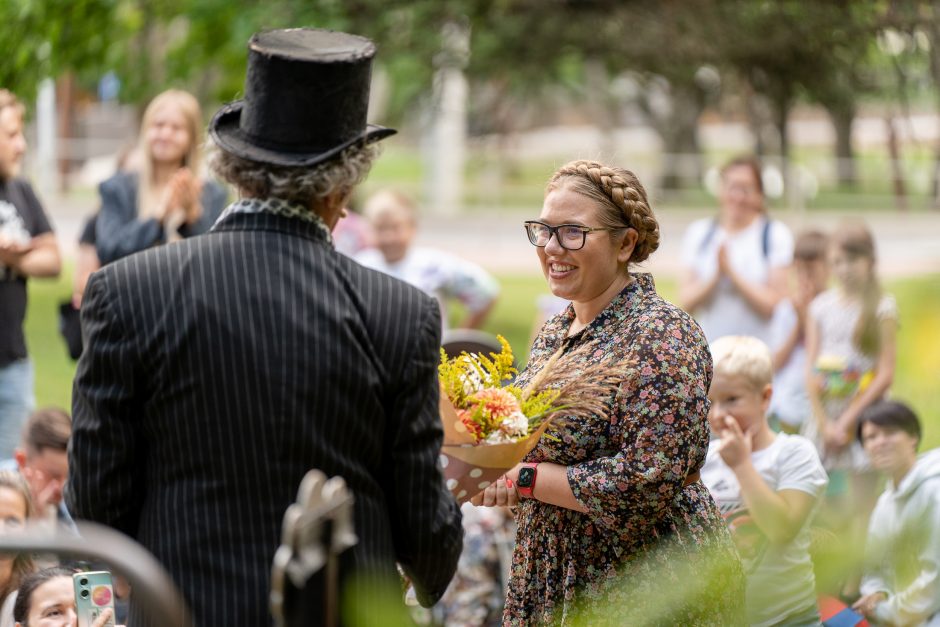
(652,547)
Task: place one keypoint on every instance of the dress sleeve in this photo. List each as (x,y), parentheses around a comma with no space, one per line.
(119,231)
(661,420)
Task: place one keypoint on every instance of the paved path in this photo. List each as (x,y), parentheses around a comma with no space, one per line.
(908,244)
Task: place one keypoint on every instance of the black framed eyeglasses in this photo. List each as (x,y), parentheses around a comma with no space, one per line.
(569,236)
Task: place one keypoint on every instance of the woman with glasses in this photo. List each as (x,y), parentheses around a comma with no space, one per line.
(735,266)
(614,526)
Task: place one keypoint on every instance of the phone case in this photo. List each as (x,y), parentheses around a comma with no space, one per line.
(94,593)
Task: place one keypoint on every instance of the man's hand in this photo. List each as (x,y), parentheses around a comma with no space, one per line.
(47,493)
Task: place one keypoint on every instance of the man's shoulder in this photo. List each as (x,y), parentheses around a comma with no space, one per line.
(377,282)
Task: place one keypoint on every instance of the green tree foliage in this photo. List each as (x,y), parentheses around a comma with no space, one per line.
(44,38)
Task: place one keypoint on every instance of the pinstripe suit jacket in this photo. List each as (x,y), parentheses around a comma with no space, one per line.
(218,370)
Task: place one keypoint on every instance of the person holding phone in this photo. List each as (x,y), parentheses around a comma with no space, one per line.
(47,599)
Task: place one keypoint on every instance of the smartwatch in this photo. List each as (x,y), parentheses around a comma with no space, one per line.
(525,484)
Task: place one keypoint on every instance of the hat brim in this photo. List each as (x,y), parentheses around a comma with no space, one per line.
(226,133)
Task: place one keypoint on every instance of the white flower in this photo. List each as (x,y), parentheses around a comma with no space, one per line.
(516,425)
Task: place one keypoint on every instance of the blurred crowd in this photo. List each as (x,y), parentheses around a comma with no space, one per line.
(806,446)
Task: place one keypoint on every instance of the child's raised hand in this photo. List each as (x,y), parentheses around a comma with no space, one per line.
(736,445)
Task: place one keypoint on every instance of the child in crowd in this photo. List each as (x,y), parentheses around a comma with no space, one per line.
(790,407)
(901,583)
(767,485)
(850,355)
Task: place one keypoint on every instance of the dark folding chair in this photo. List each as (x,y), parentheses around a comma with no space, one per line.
(456,341)
(154,591)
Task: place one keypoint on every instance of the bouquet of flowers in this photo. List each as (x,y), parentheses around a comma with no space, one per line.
(838,379)
(490,424)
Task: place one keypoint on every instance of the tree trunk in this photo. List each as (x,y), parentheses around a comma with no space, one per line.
(682,158)
(842,121)
(897,175)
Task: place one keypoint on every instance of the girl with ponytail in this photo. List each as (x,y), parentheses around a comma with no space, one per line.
(850,343)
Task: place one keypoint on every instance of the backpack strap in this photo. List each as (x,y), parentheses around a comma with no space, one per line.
(709,235)
(765,238)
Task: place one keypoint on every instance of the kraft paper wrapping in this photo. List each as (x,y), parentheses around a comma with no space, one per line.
(470,468)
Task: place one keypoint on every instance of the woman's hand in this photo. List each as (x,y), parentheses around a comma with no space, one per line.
(502,493)
(103,618)
(866,605)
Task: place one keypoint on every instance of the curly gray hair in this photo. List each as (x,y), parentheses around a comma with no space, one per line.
(300,184)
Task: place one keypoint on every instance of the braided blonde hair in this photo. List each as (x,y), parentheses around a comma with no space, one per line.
(621,196)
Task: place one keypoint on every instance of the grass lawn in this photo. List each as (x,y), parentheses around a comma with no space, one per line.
(917,380)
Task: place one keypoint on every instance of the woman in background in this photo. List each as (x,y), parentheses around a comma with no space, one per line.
(165,198)
(16,506)
(735,265)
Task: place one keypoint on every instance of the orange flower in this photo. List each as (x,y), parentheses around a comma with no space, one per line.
(496,402)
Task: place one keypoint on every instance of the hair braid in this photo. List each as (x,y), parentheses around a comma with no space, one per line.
(622,190)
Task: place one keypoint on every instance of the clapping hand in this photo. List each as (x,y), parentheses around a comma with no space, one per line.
(724,264)
(182,194)
(736,445)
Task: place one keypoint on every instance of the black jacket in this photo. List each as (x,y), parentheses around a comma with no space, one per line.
(218,370)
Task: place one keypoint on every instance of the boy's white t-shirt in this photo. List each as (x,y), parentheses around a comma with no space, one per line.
(780,581)
(727,312)
(790,402)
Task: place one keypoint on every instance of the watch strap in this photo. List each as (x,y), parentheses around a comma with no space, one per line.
(526,491)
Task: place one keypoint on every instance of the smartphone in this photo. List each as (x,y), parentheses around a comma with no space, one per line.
(94,593)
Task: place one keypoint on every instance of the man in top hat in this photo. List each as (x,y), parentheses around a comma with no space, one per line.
(219,370)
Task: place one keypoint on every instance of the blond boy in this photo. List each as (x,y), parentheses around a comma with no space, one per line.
(766,484)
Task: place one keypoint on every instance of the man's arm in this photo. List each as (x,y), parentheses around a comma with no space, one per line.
(425,517)
(104,449)
(40,258)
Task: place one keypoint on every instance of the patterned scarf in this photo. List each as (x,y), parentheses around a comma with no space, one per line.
(278,207)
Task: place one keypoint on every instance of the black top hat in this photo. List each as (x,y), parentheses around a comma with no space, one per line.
(306,98)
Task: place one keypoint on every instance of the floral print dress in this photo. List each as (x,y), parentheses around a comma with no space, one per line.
(652,548)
